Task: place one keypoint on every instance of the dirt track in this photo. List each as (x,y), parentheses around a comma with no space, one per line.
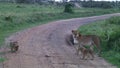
(44,47)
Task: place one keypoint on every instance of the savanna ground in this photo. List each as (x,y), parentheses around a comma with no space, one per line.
(14,17)
(44,46)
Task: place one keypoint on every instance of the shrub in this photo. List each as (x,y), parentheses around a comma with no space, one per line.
(8,18)
(68,8)
(114,20)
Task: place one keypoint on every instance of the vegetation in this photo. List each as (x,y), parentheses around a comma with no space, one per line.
(68,8)
(2,59)
(100,4)
(111,47)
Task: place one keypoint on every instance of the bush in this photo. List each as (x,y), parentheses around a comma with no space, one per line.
(114,20)
(68,8)
(8,18)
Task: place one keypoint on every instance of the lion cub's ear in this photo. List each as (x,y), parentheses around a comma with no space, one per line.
(73,31)
(79,35)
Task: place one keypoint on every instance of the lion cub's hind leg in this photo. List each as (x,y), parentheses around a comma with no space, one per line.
(86,53)
(91,54)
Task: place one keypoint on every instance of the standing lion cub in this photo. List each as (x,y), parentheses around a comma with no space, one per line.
(84,41)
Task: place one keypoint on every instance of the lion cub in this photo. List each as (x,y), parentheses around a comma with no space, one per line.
(85,44)
(86,51)
(14,46)
(87,40)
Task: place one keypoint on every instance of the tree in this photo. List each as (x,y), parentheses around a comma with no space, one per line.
(68,8)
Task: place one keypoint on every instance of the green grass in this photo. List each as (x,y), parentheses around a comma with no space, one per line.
(112,57)
(2,59)
(111,47)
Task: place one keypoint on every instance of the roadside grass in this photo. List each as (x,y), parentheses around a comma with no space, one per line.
(111,28)
(2,59)
(15,17)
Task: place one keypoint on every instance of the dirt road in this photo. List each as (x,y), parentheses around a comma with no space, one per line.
(44,47)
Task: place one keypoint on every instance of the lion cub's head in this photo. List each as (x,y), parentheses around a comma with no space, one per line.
(76,36)
(76,33)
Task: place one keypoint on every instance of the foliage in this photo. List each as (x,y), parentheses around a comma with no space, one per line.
(98,4)
(109,47)
(68,8)
(114,20)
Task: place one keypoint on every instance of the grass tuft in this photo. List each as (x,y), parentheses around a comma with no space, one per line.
(2,59)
